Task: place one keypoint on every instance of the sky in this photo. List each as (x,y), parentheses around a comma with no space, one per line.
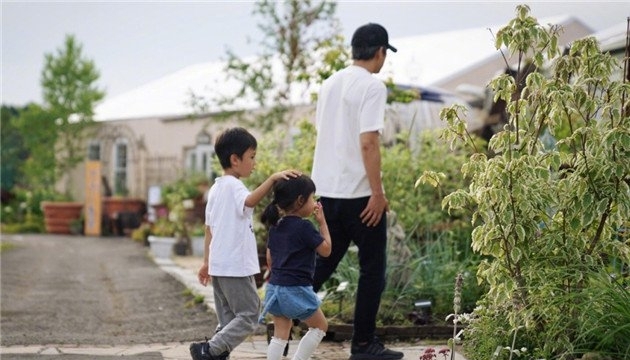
(135,42)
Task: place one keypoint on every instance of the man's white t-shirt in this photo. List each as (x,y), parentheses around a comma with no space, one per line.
(350,102)
(233,250)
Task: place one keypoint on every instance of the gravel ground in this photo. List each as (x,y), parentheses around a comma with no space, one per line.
(90,290)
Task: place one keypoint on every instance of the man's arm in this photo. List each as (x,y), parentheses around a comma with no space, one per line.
(371,153)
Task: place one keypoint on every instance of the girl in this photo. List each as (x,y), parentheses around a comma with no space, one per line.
(291,251)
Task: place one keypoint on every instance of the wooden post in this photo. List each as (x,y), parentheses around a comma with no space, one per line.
(93,207)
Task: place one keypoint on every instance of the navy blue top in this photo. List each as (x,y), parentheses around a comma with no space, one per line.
(292,243)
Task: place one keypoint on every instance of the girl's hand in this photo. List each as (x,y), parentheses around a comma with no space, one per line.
(318,213)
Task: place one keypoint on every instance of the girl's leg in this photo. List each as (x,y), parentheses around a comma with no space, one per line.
(281,331)
(317,327)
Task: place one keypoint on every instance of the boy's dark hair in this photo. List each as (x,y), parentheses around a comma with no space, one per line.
(236,141)
(285,194)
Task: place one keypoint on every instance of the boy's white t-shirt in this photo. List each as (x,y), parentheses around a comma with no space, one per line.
(233,250)
(350,102)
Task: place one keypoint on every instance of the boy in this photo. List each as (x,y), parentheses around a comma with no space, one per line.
(230,258)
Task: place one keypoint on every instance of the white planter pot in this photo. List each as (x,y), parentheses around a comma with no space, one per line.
(161,247)
(198,243)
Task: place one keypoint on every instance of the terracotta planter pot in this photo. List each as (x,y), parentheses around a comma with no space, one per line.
(114,205)
(59,215)
(123,214)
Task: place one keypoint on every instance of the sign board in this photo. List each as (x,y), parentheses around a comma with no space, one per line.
(93,207)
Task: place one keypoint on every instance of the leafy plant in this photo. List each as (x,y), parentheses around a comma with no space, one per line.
(141,233)
(438,244)
(292,31)
(179,198)
(164,227)
(605,328)
(54,132)
(13,152)
(548,220)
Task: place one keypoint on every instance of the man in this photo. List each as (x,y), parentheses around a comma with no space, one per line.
(347,172)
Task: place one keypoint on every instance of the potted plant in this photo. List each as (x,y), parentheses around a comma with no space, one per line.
(162,238)
(197,238)
(60,212)
(180,198)
(141,234)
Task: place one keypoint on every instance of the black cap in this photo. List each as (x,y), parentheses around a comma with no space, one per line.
(370,35)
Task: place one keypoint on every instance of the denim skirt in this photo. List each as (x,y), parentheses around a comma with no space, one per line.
(293,302)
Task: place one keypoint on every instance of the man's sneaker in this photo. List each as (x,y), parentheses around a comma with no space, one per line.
(374,350)
(201,351)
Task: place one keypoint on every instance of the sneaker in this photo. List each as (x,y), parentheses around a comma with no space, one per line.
(374,350)
(201,351)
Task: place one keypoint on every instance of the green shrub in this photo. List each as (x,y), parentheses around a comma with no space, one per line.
(436,243)
(548,219)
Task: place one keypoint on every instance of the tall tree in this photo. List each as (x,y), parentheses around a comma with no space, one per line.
(70,93)
(302,36)
(13,152)
(37,128)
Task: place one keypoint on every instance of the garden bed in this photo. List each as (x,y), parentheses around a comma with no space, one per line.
(343,332)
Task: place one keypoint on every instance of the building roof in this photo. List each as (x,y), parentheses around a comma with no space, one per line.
(613,38)
(421,61)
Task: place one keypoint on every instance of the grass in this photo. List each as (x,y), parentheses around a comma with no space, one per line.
(6,246)
(192,299)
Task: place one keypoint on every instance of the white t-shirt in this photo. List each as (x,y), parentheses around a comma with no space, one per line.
(233,249)
(350,102)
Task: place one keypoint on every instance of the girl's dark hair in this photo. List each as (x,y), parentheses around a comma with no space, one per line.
(233,141)
(285,194)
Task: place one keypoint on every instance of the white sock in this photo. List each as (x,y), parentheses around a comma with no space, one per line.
(308,344)
(276,348)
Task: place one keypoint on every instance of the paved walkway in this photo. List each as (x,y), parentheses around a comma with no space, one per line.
(184,269)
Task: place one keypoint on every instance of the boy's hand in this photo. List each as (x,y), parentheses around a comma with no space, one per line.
(203,276)
(286,174)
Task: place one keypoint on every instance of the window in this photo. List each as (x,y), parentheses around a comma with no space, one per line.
(120,168)
(94,151)
(198,158)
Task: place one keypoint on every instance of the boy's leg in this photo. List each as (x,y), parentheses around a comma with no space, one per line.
(241,298)
(222,308)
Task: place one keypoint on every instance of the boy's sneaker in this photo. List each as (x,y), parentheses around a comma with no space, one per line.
(201,351)
(374,350)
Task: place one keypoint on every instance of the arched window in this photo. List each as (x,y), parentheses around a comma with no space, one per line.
(120,168)
(199,157)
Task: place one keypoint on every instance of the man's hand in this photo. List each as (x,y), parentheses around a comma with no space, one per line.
(377,205)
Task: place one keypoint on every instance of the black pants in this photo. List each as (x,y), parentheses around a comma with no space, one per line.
(344,224)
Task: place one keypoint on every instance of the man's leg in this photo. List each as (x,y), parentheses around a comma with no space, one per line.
(326,266)
(372,244)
